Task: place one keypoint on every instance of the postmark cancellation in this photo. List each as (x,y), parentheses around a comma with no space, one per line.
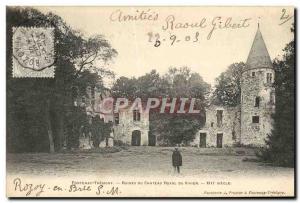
(33,52)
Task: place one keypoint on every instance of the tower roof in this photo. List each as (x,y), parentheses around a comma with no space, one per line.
(258,56)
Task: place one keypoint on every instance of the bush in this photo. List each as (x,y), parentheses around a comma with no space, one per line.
(120,143)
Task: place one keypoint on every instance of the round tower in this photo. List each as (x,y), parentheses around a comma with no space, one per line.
(257,94)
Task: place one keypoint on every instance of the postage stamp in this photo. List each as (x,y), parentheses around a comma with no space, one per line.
(33,52)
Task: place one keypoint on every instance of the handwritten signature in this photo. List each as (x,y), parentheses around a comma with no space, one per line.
(217,23)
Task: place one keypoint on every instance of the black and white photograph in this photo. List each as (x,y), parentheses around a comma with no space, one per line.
(150,101)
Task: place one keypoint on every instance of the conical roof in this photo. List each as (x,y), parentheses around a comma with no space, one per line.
(258,56)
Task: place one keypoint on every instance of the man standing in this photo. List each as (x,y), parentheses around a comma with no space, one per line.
(176,160)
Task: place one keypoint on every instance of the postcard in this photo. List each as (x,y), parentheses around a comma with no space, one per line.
(150,102)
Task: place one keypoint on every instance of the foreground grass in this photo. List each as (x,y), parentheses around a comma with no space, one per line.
(143,161)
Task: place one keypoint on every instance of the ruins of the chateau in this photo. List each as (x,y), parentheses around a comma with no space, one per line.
(251,121)
(246,124)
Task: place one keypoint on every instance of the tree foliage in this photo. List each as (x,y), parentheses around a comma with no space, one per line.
(280,148)
(228,86)
(177,82)
(77,59)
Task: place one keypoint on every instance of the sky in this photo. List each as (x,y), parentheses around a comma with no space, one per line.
(229,42)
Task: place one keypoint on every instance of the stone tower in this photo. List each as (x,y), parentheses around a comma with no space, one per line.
(257,94)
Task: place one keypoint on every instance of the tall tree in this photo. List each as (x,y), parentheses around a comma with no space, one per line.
(181,128)
(28,97)
(280,148)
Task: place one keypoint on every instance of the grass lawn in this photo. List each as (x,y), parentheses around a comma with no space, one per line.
(143,161)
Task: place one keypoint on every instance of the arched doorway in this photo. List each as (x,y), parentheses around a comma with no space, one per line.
(136,138)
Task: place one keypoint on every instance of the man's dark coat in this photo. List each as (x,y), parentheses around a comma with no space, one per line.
(176,158)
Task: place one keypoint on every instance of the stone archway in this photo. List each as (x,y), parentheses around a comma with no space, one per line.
(136,138)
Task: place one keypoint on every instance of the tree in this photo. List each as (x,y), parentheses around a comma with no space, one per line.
(228,86)
(177,82)
(280,148)
(183,129)
(125,87)
(152,85)
(76,118)
(97,131)
(178,128)
(76,60)
(185,83)
(149,85)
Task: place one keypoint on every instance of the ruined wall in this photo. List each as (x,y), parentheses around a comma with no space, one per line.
(123,131)
(251,87)
(98,97)
(91,101)
(229,127)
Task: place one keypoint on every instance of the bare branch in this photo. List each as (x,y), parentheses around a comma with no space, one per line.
(85,62)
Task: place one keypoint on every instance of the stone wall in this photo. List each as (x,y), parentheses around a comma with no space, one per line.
(254,134)
(228,128)
(123,131)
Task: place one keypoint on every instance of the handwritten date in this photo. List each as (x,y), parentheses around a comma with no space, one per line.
(157,40)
